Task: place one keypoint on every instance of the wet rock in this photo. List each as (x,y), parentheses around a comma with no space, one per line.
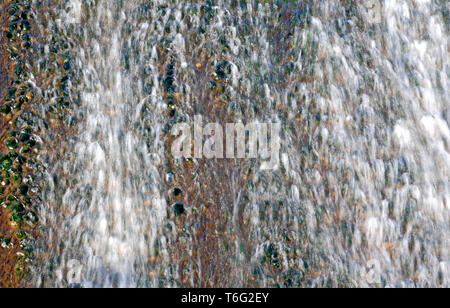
(13,9)
(26,44)
(30,143)
(171,105)
(24,137)
(169,81)
(62,102)
(31,218)
(220,74)
(292,278)
(23,189)
(21,159)
(6,108)
(271,251)
(178,209)
(17,212)
(11,143)
(177,191)
(21,234)
(14,27)
(5,242)
(13,55)
(8,34)
(25,14)
(20,72)
(23,99)
(67,65)
(169,177)
(222,70)
(31,120)
(27,244)
(11,92)
(169,88)
(26,150)
(16,179)
(4,178)
(13,155)
(24,25)
(212,85)
(26,37)
(18,106)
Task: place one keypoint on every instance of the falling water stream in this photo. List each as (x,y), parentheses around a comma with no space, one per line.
(361,197)
(109,215)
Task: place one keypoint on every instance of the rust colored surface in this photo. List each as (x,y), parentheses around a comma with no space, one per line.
(4,63)
(7,256)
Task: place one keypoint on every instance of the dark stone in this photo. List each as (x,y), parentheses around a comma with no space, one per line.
(20,234)
(24,137)
(21,159)
(6,164)
(66,65)
(23,189)
(23,99)
(11,143)
(212,85)
(16,178)
(169,80)
(223,68)
(220,73)
(12,91)
(169,88)
(25,150)
(8,34)
(31,217)
(26,45)
(178,209)
(6,108)
(13,9)
(13,27)
(177,191)
(5,242)
(25,14)
(29,119)
(17,208)
(18,106)
(26,37)
(25,25)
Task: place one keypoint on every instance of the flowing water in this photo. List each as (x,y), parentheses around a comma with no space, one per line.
(362,194)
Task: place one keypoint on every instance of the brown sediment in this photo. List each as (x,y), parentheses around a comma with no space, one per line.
(210,194)
(8,277)
(5,65)
(215,193)
(15,257)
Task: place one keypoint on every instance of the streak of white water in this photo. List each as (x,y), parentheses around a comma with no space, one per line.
(109,215)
